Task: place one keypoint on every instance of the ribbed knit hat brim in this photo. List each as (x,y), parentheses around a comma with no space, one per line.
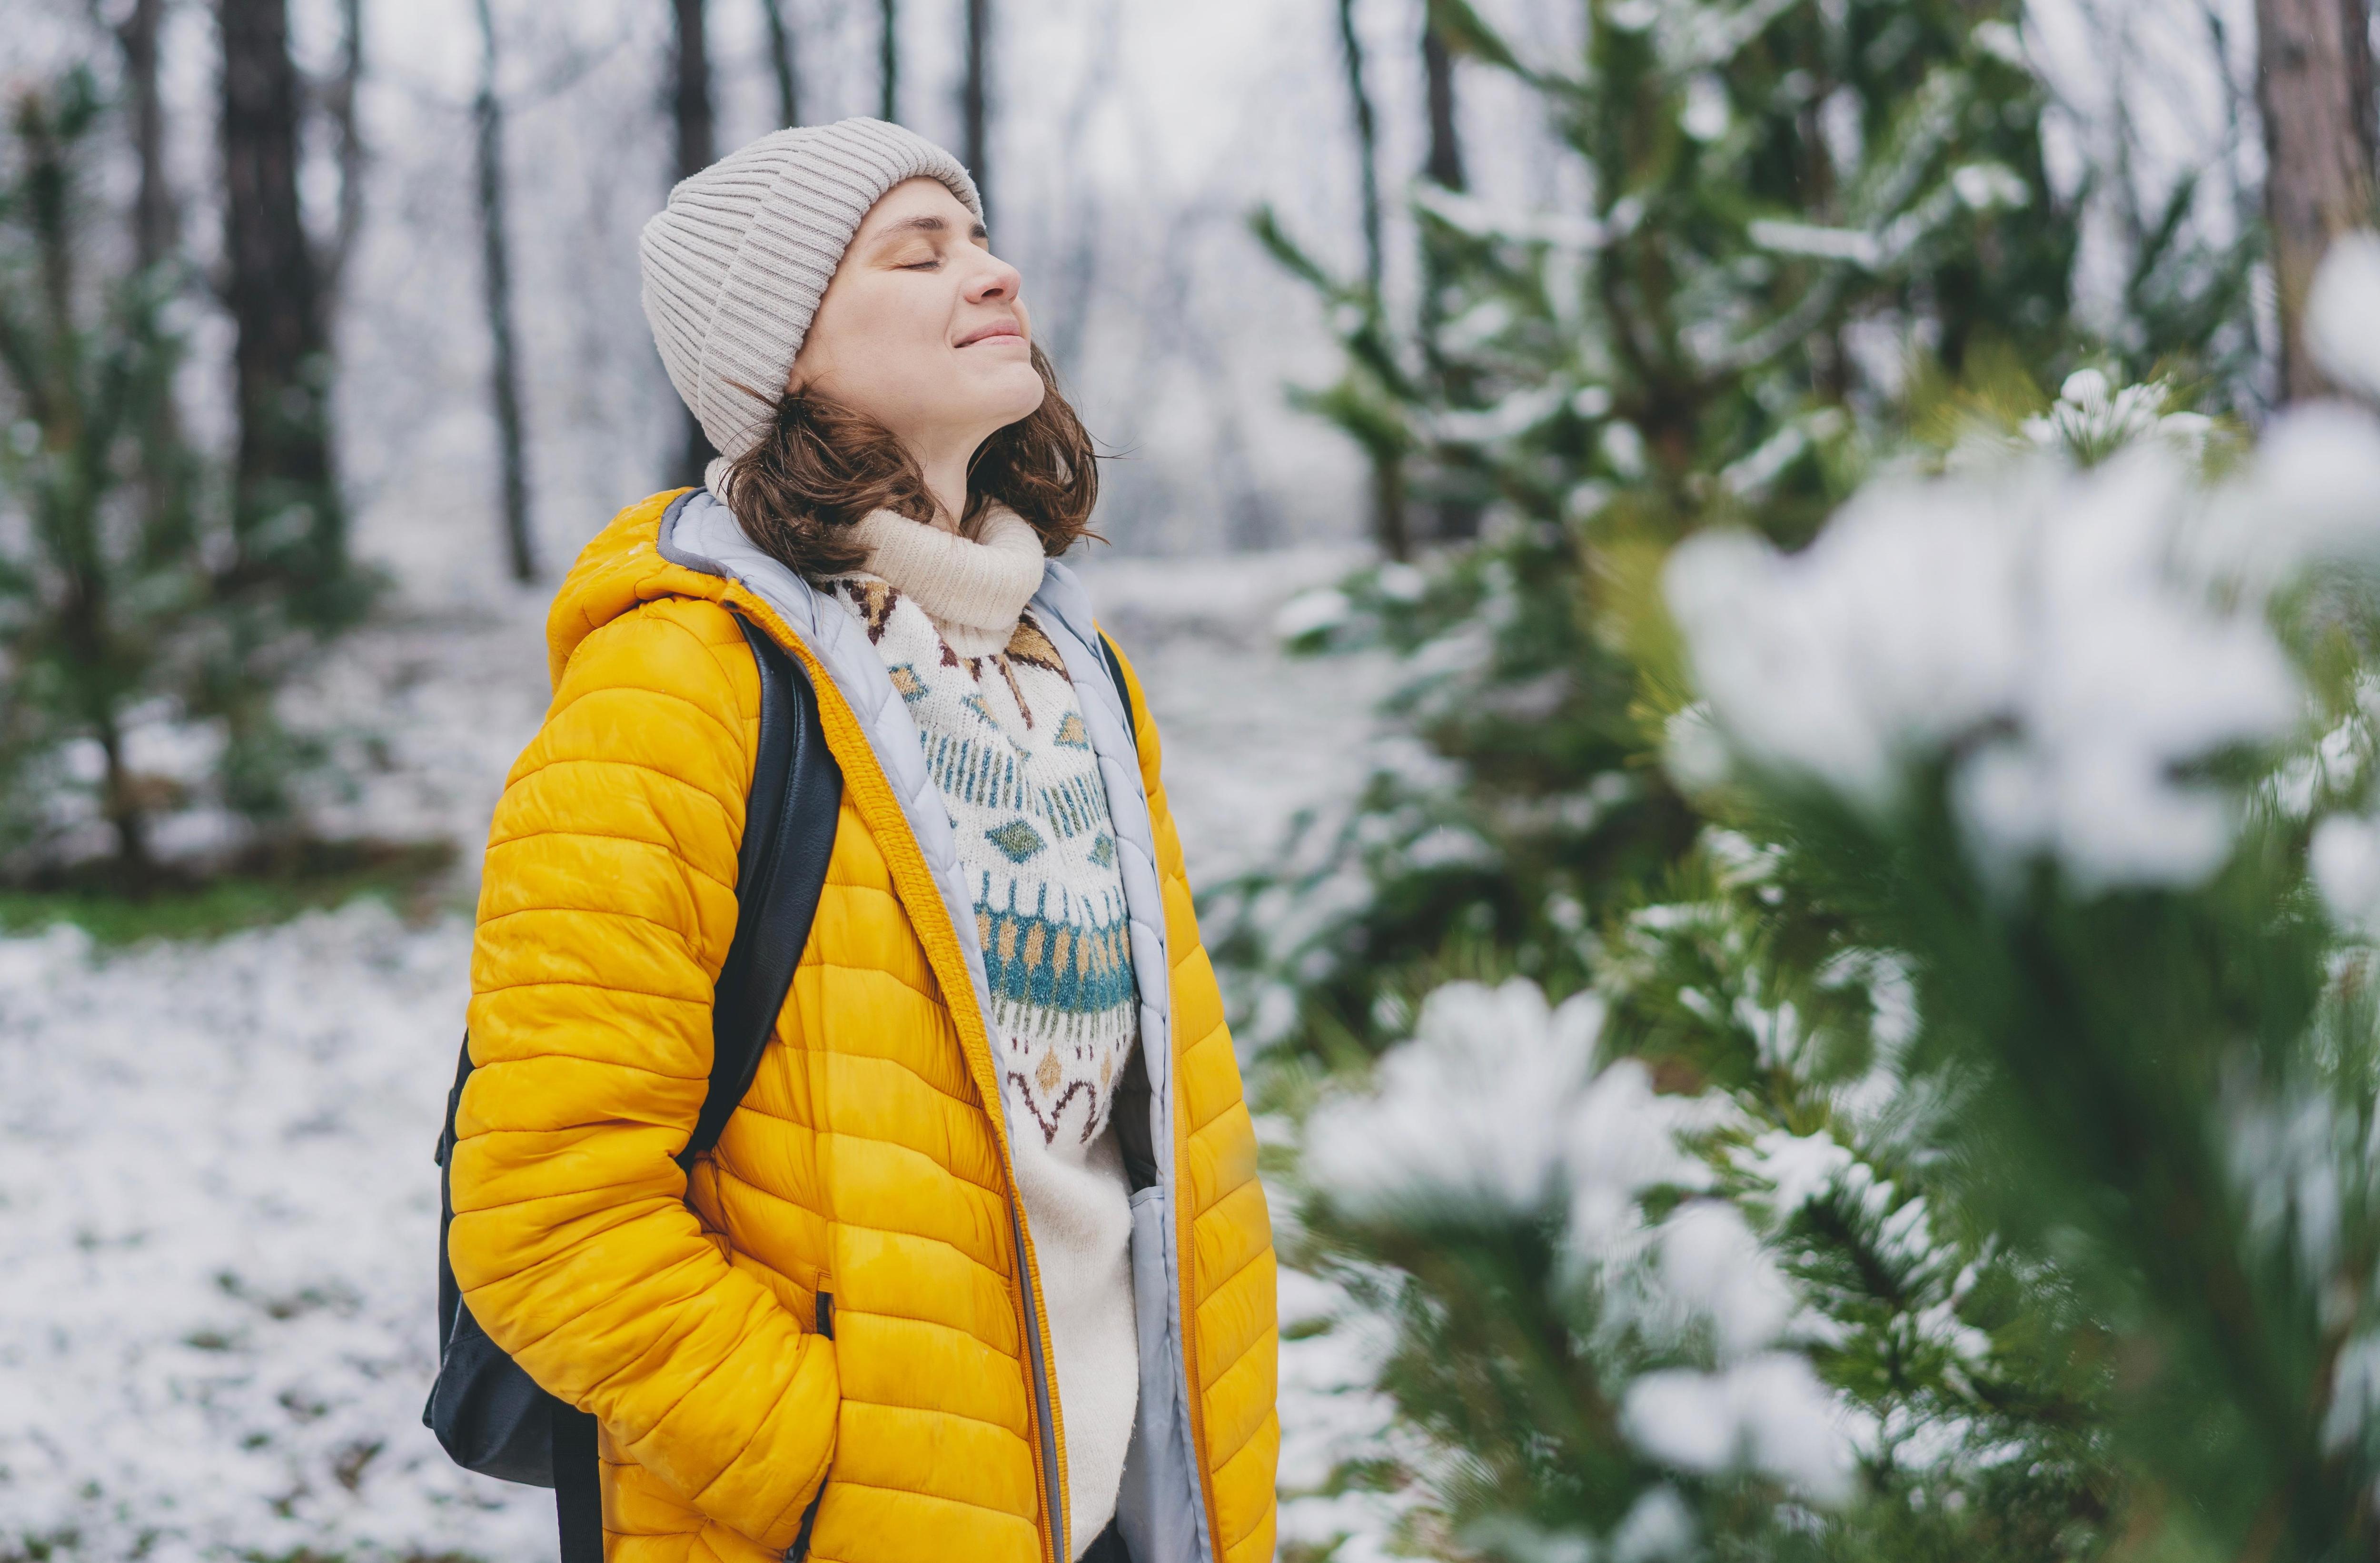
(734,265)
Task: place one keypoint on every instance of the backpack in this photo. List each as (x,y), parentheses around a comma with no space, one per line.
(488,1414)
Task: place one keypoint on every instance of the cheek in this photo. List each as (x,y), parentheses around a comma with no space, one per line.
(883,356)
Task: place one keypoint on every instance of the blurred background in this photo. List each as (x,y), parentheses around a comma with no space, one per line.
(1764,612)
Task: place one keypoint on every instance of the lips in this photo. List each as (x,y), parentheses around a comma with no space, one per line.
(988,333)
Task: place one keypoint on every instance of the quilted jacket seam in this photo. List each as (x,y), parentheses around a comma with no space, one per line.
(575,1058)
(683,937)
(686,782)
(625,689)
(920,1237)
(995,1195)
(821,960)
(542,1335)
(770,1304)
(1238,1357)
(772,1117)
(1217,1461)
(670,847)
(1217,1288)
(935,1410)
(934,1497)
(819,1477)
(704,1000)
(659,1202)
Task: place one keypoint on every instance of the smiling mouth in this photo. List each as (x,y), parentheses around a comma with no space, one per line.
(992,333)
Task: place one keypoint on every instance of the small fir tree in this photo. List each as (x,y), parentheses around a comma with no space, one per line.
(1967,1153)
(1803,224)
(124,604)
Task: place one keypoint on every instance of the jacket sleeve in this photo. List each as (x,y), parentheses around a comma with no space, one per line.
(606,913)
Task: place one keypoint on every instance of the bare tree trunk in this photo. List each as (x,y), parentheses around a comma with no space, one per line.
(781,56)
(488,114)
(2314,85)
(1389,527)
(973,98)
(888,59)
(1445,164)
(156,221)
(341,102)
(1367,143)
(282,361)
(156,241)
(697,150)
(1457,518)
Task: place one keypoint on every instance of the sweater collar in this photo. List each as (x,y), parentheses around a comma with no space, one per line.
(973,588)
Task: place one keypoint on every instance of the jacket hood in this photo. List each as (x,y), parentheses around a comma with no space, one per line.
(619,569)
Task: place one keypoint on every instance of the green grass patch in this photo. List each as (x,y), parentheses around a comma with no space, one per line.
(261,888)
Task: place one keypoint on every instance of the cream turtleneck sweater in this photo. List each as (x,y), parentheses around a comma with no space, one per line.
(1002,729)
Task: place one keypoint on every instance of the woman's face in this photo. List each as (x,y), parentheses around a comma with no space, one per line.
(922,328)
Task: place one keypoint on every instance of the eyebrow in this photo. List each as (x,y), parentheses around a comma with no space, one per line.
(928,224)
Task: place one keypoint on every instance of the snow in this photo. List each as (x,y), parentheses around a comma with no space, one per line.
(2030,623)
(220,1208)
(1470,1118)
(1768,1413)
(1495,1109)
(1713,1263)
(2345,858)
(2342,317)
(222,1218)
(1782,237)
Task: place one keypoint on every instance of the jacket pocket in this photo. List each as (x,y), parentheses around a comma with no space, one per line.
(823,1320)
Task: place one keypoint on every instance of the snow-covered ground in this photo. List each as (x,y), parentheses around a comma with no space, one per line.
(217,1204)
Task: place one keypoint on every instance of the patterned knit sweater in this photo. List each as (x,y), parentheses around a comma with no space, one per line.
(1007,747)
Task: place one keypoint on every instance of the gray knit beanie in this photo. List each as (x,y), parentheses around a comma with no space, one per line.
(736,263)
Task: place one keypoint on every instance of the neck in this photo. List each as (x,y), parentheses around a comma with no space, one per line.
(945,470)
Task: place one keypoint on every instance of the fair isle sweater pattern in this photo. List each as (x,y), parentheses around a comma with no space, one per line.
(1008,750)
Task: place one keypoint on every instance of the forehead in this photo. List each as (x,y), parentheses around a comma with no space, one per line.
(913,198)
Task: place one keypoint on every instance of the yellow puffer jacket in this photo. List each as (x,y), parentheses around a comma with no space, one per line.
(869,1159)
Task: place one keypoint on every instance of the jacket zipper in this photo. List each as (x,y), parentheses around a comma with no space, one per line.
(1047,1425)
(1027,1288)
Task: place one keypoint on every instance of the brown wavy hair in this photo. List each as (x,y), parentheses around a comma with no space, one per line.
(822,465)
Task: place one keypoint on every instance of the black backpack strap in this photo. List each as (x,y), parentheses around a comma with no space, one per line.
(789,820)
(781,868)
(1123,690)
(577,1486)
(788,837)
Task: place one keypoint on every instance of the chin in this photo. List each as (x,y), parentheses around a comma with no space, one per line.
(1014,391)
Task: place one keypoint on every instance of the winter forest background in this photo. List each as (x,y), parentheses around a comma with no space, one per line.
(1767,618)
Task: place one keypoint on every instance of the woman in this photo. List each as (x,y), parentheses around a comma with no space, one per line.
(999,1122)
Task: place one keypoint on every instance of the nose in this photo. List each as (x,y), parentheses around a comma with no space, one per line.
(993,281)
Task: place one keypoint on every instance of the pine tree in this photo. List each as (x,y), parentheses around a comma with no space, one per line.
(1968,1151)
(127,601)
(1670,1116)
(1803,224)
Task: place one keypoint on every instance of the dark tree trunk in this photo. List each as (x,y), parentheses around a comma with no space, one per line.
(340,99)
(1390,528)
(1445,165)
(285,506)
(888,59)
(2314,70)
(697,145)
(781,56)
(1457,516)
(488,113)
(156,221)
(697,150)
(974,98)
(1367,143)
